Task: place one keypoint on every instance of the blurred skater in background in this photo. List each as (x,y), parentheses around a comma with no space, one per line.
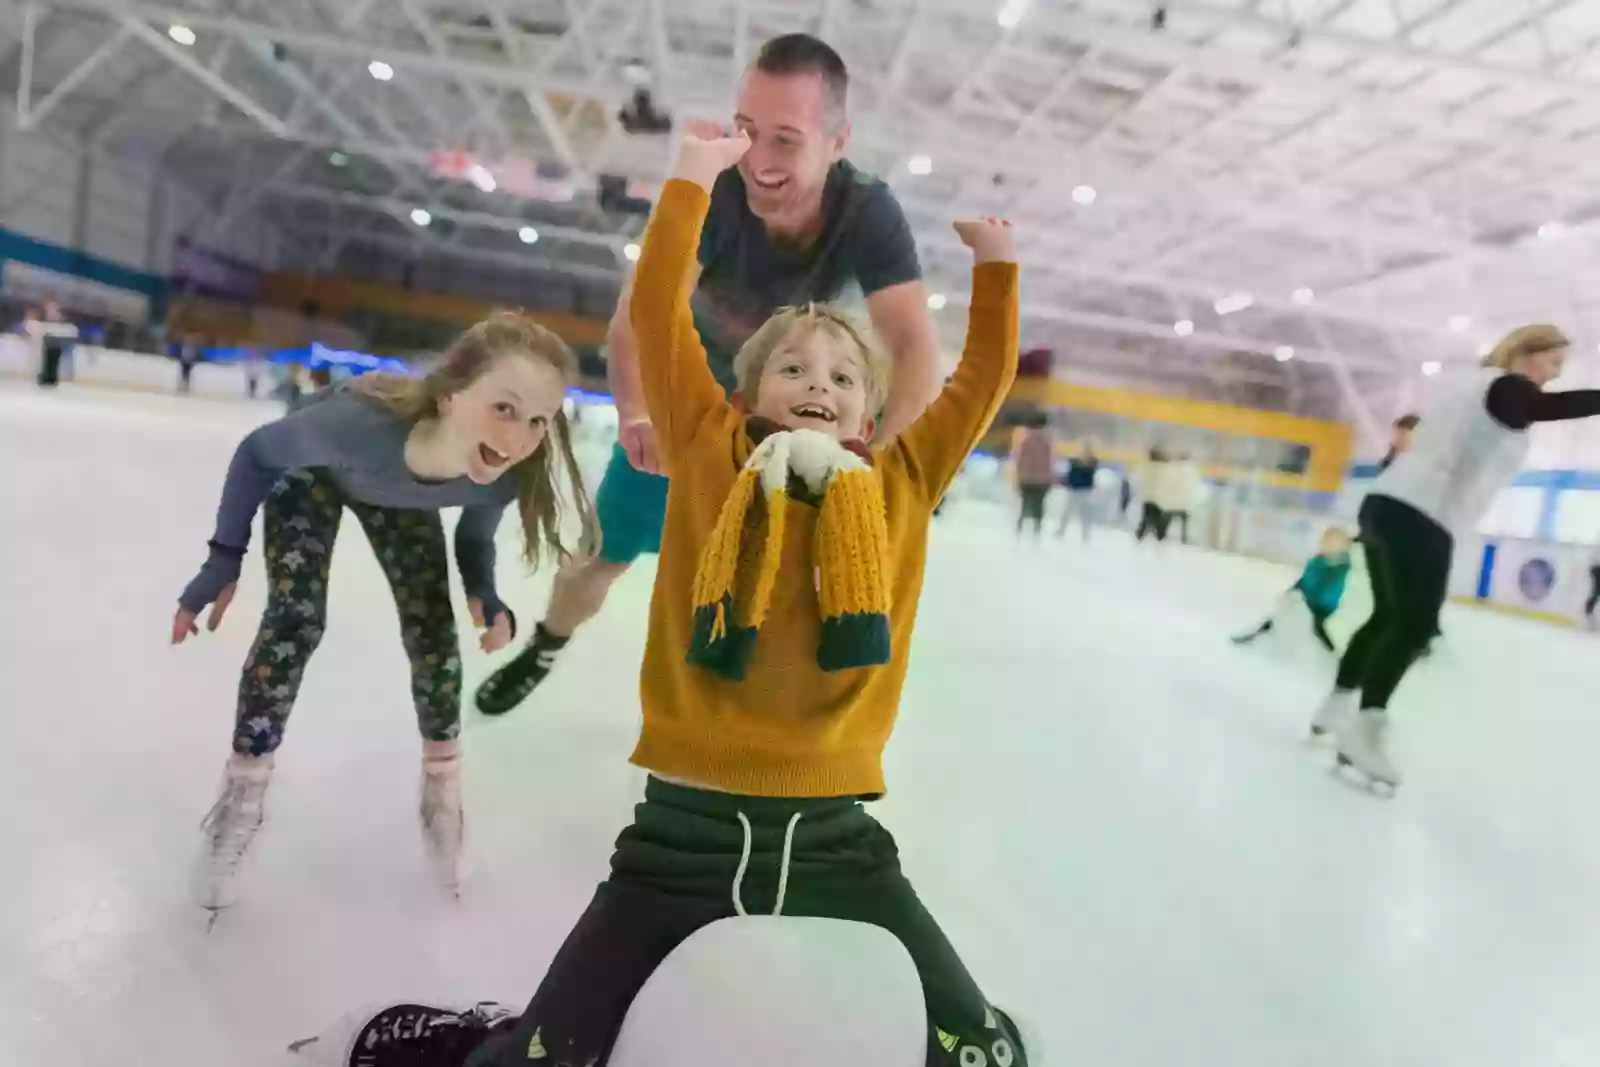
(1594,590)
(1400,435)
(1033,458)
(1155,485)
(1079,482)
(1320,586)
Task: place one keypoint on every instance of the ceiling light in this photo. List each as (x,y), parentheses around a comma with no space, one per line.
(1183,327)
(935,301)
(1460,323)
(1011,13)
(631,250)
(380,70)
(1283,353)
(1431,368)
(181,33)
(1084,194)
(1303,295)
(1552,229)
(337,159)
(480,176)
(920,165)
(421,216)
(528,235)
(1237,302)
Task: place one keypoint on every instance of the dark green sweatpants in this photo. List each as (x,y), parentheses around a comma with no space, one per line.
(673,873)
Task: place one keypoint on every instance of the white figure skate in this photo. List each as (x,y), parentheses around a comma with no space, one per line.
(229,829)
(1364,748)
(1335,713)
(443,821)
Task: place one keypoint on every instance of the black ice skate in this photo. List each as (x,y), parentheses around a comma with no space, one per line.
(405,1035)
(516,681)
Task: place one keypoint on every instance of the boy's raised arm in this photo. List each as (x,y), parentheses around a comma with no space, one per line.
(679,390)
(938,443)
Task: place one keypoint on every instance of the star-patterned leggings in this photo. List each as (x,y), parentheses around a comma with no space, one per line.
(301,516)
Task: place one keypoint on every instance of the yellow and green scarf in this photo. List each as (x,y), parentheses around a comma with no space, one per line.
(851,553)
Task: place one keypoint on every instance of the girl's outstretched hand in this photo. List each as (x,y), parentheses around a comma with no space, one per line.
(496,635)
(185,623)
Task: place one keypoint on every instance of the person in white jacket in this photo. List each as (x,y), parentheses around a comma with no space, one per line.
(1153,482)
(1469,445)
(1184,490)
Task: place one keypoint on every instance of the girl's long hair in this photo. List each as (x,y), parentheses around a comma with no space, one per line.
(1523,342)
(502,335)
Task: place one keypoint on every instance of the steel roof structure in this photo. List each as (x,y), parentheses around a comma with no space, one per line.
(1297,201)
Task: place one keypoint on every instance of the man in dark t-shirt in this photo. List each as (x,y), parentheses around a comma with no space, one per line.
(793,222)
(746,275)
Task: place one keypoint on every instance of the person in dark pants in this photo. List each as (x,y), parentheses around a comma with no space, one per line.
(1467,448)
(55,336)
(1035,459)
(1153,488)
(1081,471)
(1399,439)
(1320,586)
(188,356)
(1594,593)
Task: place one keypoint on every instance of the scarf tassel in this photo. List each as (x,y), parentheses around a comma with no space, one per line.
(852,552)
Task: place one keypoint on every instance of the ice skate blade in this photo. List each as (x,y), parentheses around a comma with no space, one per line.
(1358,778)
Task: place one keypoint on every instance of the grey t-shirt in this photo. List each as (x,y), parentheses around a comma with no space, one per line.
(361,445)
(745,276)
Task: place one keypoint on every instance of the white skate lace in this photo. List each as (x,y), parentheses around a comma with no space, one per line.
(226,823)
(441,811)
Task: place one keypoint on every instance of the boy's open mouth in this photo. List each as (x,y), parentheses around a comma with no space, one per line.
(813,411)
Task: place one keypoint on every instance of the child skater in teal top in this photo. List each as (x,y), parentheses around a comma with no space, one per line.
(1321,586)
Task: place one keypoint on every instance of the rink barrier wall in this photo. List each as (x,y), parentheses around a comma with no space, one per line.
(1528,577)
(91,365)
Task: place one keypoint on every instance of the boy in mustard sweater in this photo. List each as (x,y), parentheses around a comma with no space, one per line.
(780,628)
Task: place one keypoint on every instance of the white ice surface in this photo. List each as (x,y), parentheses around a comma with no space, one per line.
(1109,807)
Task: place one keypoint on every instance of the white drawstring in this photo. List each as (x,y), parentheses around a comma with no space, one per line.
(744,861)
(783,869)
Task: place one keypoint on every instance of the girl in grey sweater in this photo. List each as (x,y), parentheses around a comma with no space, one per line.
(473,433)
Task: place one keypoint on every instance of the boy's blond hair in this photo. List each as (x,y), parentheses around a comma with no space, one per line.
(785,323)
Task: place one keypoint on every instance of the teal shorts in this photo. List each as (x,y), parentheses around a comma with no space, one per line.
(631,506)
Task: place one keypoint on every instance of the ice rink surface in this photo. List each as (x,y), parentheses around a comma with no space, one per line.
(1109,807)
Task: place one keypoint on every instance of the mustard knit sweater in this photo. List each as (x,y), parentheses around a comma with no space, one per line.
(788,729)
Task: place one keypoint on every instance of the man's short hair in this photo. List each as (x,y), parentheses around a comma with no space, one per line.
(1407,422)
(801,53)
